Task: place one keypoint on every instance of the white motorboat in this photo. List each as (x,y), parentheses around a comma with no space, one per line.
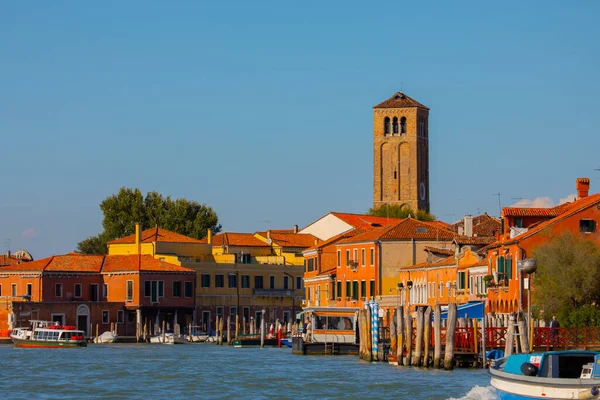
(168,338)
(107,337)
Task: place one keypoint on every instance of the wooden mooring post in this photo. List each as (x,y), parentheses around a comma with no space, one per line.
(163,331)
(393,335)
(409,341)
(262,330)
(97,333)
(450,333)
(237,326)
(509,345)
(221,331)
(229,329)
(427,336)
(437,337)
(419,338)
(401,334)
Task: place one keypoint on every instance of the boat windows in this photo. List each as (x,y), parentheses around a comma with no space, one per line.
(334,323)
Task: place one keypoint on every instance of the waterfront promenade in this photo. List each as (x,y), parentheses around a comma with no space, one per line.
(193,371)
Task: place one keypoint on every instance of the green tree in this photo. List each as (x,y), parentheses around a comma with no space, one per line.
(129,207)
(396,211)
(567,281)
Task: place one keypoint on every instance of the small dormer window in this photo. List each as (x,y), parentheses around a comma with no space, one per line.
(403,125)
(587,226)
(395,125)
(386,125)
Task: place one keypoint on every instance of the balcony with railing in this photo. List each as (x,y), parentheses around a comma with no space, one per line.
(274,292)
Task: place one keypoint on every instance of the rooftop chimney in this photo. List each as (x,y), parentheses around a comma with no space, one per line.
(8,253)
(269,234)
(295,228)
(138,239)
(583,187)
(209,236)
(469,225)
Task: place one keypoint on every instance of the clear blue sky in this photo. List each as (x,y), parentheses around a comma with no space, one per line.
(262,110)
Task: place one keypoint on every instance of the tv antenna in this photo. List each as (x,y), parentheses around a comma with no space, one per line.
(499,206)
(7,243)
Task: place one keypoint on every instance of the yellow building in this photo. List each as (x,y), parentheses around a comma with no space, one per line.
(235,272)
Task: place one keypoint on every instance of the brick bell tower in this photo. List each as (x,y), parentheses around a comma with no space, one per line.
(401,153)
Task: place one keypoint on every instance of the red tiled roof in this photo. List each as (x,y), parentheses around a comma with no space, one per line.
(140,263)
(441,263)
(483,225)
(400,100)
(411,228)
(403,229)
(157,234)
(480,263)
(364,221)
(4,260)
(237,239)
(370,235)
(79,263)
(64,263)
(535,211)
(293,239)
(440,224)
(436,250)
(334,239)
(483,240)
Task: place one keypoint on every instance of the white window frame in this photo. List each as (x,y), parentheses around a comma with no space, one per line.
(339,258)
(13,290)
(363,254)
(56,286)
(355,255)
(105,291)
(120,316)
(372,255)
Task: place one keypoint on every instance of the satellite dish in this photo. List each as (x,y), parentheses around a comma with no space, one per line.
(528,265)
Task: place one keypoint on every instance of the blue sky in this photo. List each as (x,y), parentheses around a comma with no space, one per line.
(262,110)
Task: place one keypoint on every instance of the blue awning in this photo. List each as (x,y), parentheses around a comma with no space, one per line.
(470,310)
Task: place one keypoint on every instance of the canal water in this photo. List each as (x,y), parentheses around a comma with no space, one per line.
(207,371)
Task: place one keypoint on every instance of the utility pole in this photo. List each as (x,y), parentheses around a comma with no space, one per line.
(499,206)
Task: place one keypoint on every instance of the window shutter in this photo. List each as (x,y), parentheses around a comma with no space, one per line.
(501,265)
(509,268)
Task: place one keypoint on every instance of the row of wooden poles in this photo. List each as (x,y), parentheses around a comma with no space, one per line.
(401,328)
(262,329)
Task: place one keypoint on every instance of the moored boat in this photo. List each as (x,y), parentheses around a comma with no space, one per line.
(169,337)
(107,337)
(48,334)
(569,374)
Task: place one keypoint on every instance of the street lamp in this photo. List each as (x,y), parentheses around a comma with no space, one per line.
(409,285)
(399,289)
(529,266)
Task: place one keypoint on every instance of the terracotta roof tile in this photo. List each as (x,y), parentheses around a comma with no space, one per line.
(292,239)
(157,234)
(411,228)
(140,263)
(535,211)
(436,250)
(483,225)
(82,263)
(364,221)
(237,239)
(483,240)
(441,263)
(400,100)
(335,239)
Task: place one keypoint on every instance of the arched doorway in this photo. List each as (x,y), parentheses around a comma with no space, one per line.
(83,318)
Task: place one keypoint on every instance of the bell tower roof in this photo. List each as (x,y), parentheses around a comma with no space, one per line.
(400,100)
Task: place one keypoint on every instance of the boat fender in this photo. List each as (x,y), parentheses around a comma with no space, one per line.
(591,393)
(528,369)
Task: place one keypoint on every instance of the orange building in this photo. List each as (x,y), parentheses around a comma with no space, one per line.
(76,289)
(523,230)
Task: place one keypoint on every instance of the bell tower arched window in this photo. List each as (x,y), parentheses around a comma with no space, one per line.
(403,125)
(386,125)
(395,125)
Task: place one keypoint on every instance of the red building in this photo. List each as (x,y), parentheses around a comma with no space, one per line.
(90,290)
